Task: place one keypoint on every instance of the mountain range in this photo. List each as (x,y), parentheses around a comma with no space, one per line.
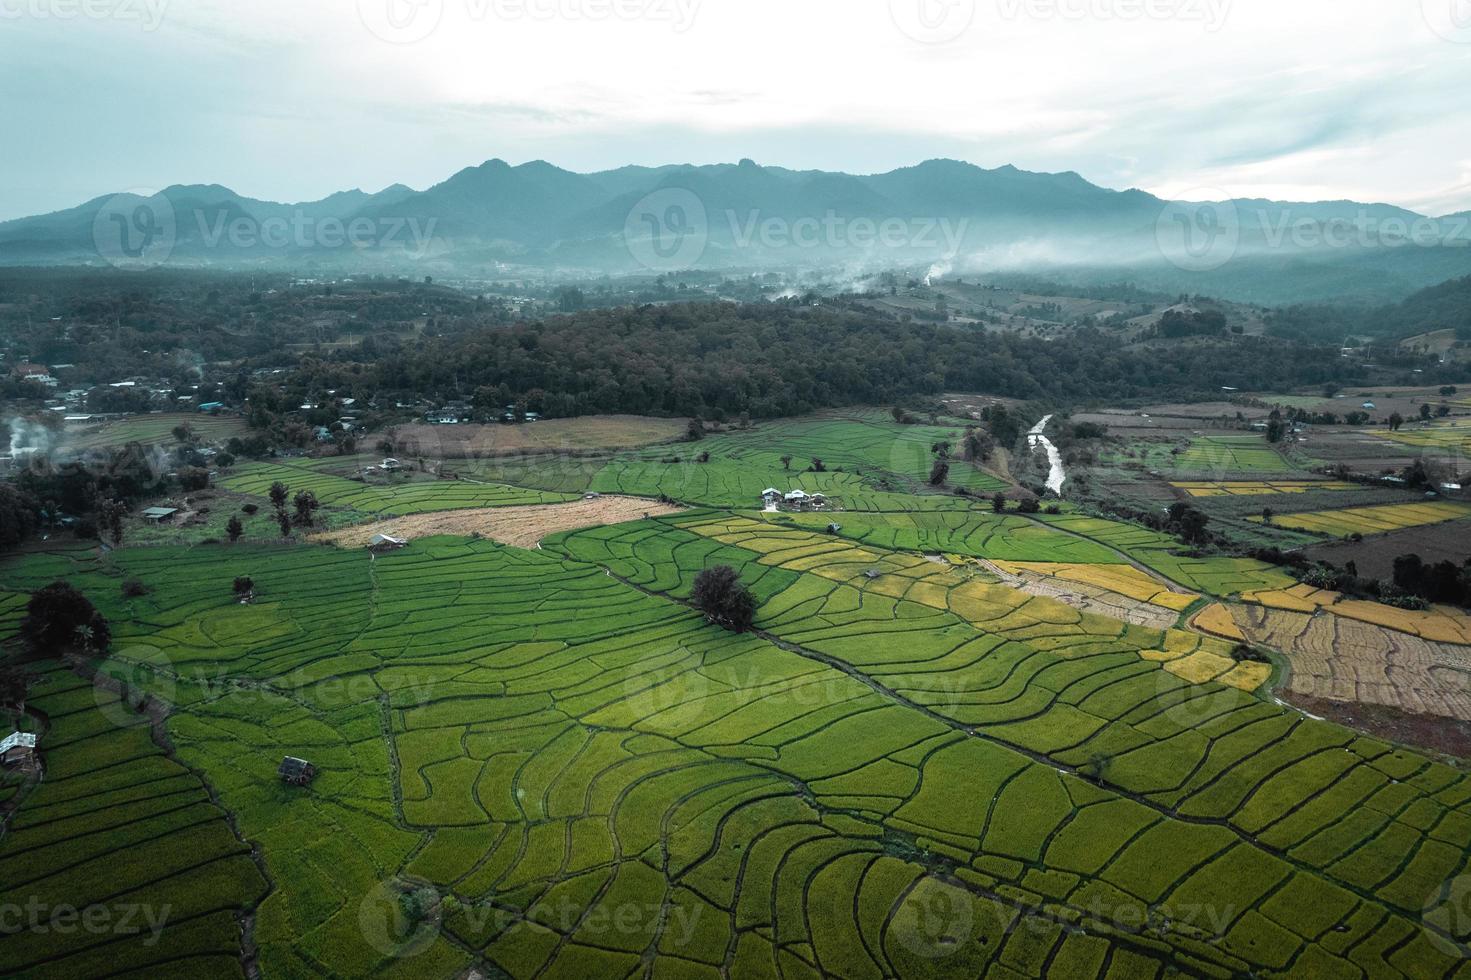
(940,215)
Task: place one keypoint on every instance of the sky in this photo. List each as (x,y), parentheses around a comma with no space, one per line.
(292,100)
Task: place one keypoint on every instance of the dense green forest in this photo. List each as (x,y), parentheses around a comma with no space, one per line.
(773,360)
(1443,307)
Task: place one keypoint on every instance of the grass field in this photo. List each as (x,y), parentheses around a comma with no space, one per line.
(910,768)
(550,435)
(1373,520)
(870,464)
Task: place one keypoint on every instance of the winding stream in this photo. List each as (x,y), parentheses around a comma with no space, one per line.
(1057,476)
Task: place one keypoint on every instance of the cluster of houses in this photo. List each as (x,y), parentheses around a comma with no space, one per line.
(458,413)
(773,499)
(150,394)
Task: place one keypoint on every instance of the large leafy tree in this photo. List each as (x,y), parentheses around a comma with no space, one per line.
(60,619)
(724,599)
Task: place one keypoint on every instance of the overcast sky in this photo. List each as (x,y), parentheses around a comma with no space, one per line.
(294,99)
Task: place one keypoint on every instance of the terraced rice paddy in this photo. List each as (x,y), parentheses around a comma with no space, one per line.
(1161,554)
(393,497)
(956,744)
(601,792)
(154,429)
(1230,454)
(1373,520)
(1262,489)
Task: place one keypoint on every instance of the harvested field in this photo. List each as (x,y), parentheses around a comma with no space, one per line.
(1347,660)
(522,527)
(552,435)
(1442,624)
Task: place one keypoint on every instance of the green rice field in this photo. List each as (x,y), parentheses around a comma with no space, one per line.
(545,763)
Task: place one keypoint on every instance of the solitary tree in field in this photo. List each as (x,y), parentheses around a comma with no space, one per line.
(306,508)
(786,462)
(939,473)
(279,492)
(283,521)
(234,529)
(59,618)
(696,430)
(1396,421)
(998,503)
(818,466)
(244,587)
(725,601)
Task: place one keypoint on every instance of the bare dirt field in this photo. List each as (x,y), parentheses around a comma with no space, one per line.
(1425,731)
(553,435)
(1375,556)
(521,527)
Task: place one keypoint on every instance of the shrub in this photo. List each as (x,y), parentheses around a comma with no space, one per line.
(250,509)
(244,586)
(134,588)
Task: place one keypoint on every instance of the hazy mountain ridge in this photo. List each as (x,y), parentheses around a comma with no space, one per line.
(969,218)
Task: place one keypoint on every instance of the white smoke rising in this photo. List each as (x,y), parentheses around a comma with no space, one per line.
(28,437)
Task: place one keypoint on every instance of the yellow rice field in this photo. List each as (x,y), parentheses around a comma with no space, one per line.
(1260,489)
(1373,520)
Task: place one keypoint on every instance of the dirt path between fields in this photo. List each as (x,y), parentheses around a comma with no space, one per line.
(522,527)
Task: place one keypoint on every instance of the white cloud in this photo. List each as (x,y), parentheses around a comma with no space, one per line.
(296,98)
